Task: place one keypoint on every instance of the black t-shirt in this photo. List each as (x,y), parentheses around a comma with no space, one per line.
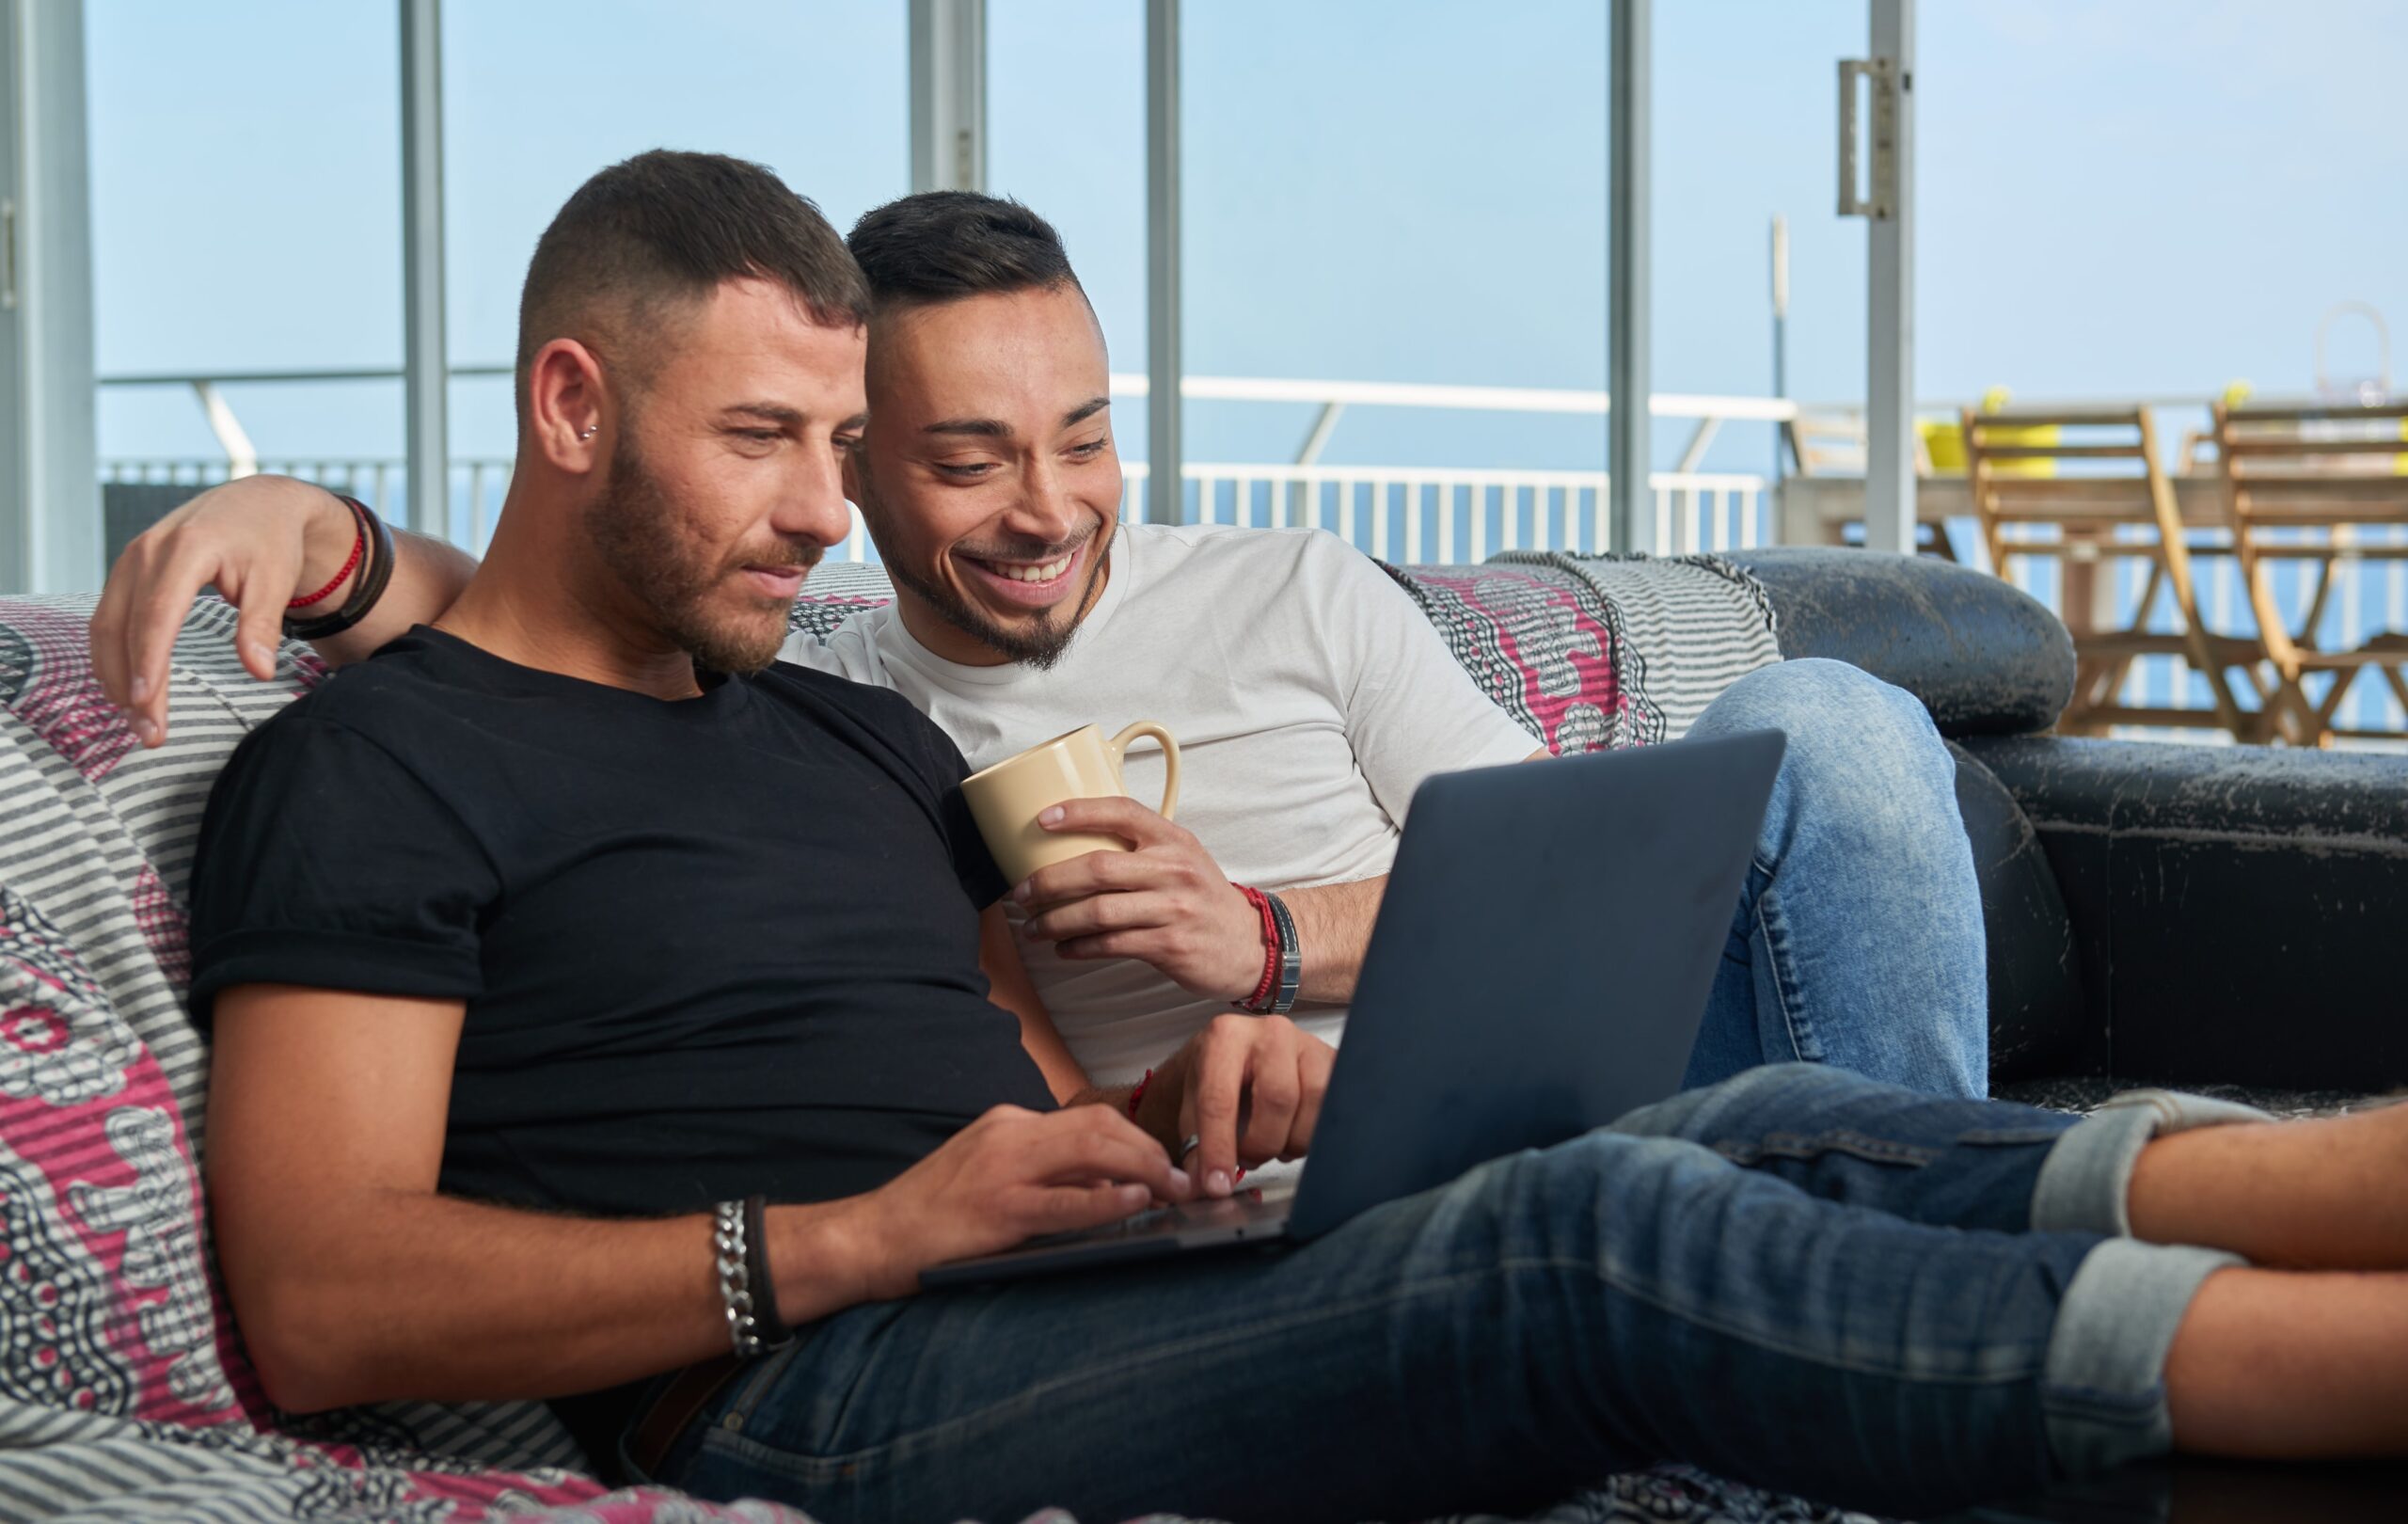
(707,948)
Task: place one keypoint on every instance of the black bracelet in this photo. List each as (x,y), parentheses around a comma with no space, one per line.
(365,588)
(1292,957)
(771,1328)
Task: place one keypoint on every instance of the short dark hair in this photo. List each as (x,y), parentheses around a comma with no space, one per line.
(665,229)
(942,245)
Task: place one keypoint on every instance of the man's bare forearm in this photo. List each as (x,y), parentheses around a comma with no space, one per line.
(358,1300)
(1334,926)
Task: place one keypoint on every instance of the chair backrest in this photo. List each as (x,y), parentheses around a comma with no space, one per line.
(2317,467)
(2094,476)
(2324,484)
(2074,467)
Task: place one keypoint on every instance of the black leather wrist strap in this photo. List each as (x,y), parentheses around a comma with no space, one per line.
(365,588)
(767,1325)
(1292,957)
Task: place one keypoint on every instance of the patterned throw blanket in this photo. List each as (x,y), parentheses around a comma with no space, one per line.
(1591,652)
(125,1393)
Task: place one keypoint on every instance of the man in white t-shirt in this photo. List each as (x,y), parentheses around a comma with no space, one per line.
(1308,692)
(1309,697)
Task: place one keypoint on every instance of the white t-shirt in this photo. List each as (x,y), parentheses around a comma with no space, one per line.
(1309,697)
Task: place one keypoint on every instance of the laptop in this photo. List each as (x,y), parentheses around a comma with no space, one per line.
(1540,966)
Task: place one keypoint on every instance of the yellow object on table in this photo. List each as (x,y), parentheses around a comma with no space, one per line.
(1943,442)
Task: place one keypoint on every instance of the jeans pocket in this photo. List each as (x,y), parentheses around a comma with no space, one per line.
(752,1386)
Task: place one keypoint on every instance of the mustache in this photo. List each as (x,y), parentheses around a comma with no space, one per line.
(785,554)
(1034,551)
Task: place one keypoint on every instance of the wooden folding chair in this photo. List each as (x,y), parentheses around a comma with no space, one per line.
(2303,484)
(2093,476)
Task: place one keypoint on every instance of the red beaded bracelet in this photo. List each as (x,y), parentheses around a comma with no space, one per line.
(1259,1001)
(359,549)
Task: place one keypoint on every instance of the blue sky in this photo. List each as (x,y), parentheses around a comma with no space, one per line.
(2142,197)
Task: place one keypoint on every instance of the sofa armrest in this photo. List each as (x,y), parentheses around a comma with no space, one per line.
(1986,658)
(2233,907)
(2040,1022)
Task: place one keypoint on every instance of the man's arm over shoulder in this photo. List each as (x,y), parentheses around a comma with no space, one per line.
(261,541)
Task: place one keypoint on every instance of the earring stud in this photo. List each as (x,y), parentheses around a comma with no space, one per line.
(590,433)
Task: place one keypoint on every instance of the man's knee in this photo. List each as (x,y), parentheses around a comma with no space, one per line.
(1849,732)
(1738,1106)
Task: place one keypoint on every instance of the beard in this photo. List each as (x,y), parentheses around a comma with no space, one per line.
(1038,644)
(639,536)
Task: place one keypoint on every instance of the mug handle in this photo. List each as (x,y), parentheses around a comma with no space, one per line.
(1118,745)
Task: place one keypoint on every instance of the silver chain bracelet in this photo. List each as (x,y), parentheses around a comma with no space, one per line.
(736,1280)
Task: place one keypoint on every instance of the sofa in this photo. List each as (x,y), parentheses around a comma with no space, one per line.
(2155,913)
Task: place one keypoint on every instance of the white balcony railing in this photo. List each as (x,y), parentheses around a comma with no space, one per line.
(1396,512)
(1411,513)
(1444,515)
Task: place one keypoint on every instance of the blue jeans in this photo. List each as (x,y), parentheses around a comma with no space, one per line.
(1858,940)
(1798,1278)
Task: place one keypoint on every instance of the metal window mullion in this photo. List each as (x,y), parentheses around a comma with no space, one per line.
(50,490)
(1164,369)
(426,374)
(948,61)
(1889,279)
(1628,276)
(17,529)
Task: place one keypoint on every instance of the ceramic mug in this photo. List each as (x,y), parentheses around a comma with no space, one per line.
(1007,798)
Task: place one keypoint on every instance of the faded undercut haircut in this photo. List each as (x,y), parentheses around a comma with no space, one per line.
(942,246)
(647,240)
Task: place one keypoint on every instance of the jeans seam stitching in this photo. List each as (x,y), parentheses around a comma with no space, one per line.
(1780,990)
(1840,1140)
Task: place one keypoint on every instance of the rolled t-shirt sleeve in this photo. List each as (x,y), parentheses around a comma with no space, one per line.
(324,861)
(1411,709)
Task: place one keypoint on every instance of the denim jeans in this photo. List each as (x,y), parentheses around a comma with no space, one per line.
(1798,1278)
(1858,940)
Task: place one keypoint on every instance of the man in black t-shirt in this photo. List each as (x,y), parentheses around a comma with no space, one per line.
(728,986)
(592,1000)
(580,903)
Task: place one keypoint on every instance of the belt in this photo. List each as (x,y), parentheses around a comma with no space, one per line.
(663,1421)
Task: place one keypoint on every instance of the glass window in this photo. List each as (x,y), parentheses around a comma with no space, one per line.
(1066,136)
(2205,193)
(245,199)
(538,96)
(1409,192)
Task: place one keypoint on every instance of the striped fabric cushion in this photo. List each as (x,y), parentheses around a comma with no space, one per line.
(124,1390)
